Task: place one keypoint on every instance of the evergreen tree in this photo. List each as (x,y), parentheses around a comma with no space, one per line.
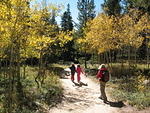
(143,5)
(112,7)
(67,23)
(86,12)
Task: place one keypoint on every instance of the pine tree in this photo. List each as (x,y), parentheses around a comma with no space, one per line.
(67,23)
(143,5)
(86,12)
(111,7)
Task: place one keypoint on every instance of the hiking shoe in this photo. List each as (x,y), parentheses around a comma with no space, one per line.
(80,84)
(106,101)
(86,84)
(101,98)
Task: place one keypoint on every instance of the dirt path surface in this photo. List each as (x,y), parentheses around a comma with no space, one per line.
(85,100)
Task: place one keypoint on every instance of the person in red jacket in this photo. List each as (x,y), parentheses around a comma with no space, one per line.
(79,71)
(99,75)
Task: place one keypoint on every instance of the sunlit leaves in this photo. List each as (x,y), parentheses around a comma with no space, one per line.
(102,35)
(28,28)
(106,33)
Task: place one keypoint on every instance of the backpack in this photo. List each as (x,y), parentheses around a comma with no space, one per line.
(105,76)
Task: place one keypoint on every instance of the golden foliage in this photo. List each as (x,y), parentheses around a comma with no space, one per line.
(27,29)
(106,33)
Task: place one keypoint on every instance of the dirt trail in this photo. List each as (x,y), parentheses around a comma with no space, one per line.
(85,100)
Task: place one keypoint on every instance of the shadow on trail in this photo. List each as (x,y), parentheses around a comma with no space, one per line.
(80,101)
(73,99)
(80,84)
(118,104)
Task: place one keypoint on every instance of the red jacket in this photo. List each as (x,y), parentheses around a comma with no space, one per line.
(99,74)
(79,70)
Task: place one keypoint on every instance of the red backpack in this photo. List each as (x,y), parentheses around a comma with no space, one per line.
(105,75)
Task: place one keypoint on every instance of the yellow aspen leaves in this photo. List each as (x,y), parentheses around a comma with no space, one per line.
(106,33)
(26,28)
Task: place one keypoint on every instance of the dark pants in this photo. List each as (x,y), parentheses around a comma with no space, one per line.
(102,90)
(72,77)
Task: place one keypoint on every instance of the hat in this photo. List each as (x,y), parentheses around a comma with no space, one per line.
(101,66)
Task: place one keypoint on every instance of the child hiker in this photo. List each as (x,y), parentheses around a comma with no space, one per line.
(79,71)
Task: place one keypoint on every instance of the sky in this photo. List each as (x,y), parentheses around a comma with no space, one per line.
(73,7)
